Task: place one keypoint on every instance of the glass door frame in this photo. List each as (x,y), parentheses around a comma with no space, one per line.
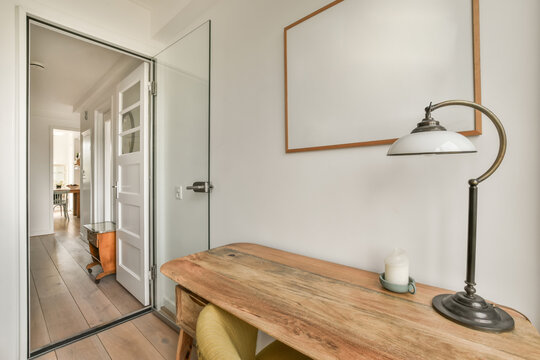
(146,309)
(29,18)
(153,162)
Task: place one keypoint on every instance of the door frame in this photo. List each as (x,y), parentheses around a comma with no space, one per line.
(51,163)
(91,195)
(73,27)
(152,134)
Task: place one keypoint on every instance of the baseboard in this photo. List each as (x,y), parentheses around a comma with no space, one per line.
(169,304)
(41,232)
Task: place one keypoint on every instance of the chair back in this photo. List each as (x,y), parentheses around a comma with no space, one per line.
(59,199)
(221,336)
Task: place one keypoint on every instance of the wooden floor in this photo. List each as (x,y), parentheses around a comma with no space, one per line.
(65,301)
(144,338)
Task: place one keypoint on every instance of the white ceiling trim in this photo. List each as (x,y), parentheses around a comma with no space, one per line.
(101,89)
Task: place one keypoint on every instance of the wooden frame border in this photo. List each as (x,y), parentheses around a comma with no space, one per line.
(476,72)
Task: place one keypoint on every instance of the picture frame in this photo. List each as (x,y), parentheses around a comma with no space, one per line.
(322,109)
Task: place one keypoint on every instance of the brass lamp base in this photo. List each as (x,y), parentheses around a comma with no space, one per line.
(473,312)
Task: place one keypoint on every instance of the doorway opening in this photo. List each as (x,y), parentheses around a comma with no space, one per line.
(88,267)
(98,267)
(65,170)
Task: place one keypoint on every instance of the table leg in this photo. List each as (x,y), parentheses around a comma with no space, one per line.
(76,204)
(185,346)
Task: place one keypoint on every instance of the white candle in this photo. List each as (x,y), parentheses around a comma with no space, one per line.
(396,267)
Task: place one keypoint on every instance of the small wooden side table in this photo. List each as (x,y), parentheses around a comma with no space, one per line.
(102,243)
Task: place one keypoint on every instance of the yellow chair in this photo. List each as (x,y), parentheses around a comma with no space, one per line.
(222,336)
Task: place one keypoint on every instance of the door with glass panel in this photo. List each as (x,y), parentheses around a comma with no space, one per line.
(132,187)
(182,184)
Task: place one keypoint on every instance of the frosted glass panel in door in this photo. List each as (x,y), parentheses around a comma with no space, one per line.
(131,96)
(131,142)
(181,153)
(131,119)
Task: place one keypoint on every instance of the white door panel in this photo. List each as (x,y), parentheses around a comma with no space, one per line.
(132,161)
(86,181)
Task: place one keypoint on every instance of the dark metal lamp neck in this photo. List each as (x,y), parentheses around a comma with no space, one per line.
(428,123)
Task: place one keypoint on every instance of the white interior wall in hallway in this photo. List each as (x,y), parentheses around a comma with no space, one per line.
(352,206)
(108,165)
(64,153)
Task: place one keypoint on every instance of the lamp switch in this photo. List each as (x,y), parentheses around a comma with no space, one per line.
(178,193)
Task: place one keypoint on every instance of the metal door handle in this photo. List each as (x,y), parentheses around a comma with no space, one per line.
(200,186)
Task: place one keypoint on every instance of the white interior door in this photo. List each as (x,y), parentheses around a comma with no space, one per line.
(107,168)
(86,179)
(132,162)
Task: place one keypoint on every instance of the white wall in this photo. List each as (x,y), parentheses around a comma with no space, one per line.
(64,153)
(39,183)
(353,206)
(120,22)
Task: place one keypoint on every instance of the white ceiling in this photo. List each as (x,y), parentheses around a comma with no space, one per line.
(149,4)
(72,68)
(169,18)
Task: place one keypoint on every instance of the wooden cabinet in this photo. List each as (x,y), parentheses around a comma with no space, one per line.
(102,242)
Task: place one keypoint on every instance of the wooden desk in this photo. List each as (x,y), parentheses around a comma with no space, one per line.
(330,311)
(102,242)
(76,191)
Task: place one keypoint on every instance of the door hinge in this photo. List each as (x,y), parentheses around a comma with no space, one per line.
(152,87)
(153,272)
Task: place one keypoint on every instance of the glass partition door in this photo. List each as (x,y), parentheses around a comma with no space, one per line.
(181,155)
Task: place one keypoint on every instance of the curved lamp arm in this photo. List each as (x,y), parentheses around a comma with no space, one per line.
(494,119)
(473,189)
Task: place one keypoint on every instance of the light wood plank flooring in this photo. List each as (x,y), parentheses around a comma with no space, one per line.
(65,301)
(144,338)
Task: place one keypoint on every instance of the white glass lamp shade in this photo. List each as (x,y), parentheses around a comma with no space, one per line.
(431,142)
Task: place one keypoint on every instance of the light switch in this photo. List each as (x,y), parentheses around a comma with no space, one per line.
(178,194)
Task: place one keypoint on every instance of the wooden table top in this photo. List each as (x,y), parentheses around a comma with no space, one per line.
(331,311)
(67,190)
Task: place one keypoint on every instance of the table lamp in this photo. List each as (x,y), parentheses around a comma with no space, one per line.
(429,137)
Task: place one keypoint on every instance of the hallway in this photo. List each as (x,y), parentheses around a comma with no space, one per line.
(65,301)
